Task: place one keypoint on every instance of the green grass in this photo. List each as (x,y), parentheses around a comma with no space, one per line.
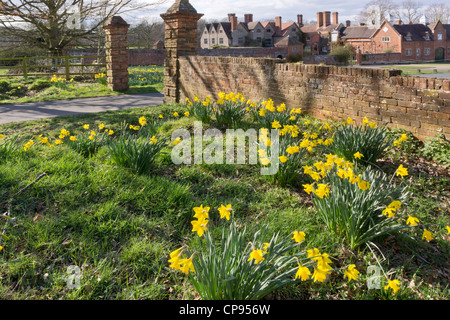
(21,90)
(119,227)
(414,70)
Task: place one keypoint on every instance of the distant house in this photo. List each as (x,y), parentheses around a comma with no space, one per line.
(248,33)
(294,46)
(415,42)
(320,35)
(359,37)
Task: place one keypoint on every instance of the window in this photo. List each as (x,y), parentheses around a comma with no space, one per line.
(221,40)
(213,41)
(268,30)
(220,31)
(385,39)
(439,37)
(418,53)
(258,30)
(205,41)
(205,32)
(308,39)
(408,52)
(294,49)
(448,50)
(258,39)
(212,32)
(427,51)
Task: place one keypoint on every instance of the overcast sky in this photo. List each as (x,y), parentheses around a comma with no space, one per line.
(263,10)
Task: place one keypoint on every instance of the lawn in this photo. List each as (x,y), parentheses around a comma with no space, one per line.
(120,227)
(22,90)
(428,68)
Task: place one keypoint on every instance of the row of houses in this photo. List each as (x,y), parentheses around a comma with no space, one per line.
(414,42)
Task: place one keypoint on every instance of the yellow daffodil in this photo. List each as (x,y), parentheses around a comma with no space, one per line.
(393,284)
(283,159)
(175,259)
(276,124)
(266,246)
(153,140)
(143,121)
(257,255)
(303,273)
(349,120)
(176,141)
(161,116)
(175,114)
(265,162)
(299,236)
(200,225)
(308,188)
(73,138)
(225,211)
(101,126)
(110,132)
(201,212)
(187,114)
(351,273)
(401,171)
(91,138)
(86,126)
(187,265)
(1,136)
(413,221)
(358,155)
(427,235)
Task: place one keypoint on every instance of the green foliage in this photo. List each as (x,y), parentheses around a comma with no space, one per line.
(200,110)
(342,54)
(230,113)
(4,86)
(40,84)
(8,147)
(223,272)
(372,143)
(137,153)
(438,149)
(356,214)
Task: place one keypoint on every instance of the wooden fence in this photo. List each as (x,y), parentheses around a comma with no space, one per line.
(67,66)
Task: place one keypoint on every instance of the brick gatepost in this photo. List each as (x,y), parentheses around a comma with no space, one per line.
(180,40)
(116,30)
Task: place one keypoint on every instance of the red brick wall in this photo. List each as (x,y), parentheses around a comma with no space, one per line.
(381,58)
(420,105)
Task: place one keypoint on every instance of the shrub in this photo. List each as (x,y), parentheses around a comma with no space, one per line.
(358,208)
(40,84)
(8,147)
(200,110)
(4,86)
(136,153)
(230,109)
(367,139)
(438,149)
(242,265)
(89,141)
(342,54)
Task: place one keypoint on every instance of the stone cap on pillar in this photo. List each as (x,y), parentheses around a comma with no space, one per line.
(182,7)
(116,21)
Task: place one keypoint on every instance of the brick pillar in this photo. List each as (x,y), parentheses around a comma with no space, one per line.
(116,44)
(358,56)
(180,40)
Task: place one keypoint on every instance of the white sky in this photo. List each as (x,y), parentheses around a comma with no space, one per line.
(261,10)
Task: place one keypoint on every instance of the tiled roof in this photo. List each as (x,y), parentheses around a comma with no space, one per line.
(416,31)
(358,32)
(315,28)
(288,41)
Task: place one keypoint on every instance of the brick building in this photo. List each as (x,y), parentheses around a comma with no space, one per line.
(320,35)
(248,33)
(414,42)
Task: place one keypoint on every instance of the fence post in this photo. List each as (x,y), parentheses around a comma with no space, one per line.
(24,63)
(180,40)
(67,67)
(116,30)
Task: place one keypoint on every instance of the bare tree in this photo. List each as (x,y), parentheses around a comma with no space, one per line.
(438,12)
(375,11)
(410,11)
(145,34)
(54,24)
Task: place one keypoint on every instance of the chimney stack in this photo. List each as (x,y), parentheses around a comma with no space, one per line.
(300,20)
(398,22)
(348,23)
(335,18)
(326,18)
(248,17)
(233,23)
(319,19)
(230,16)
(278,22)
